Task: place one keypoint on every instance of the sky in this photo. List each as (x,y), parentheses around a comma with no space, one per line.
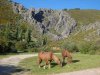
(61,4)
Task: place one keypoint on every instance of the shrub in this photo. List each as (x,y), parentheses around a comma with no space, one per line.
(20,46)
(46,48)
(33,50)
(84,47)
(11,46)
(98,51)
(33,44)
(94,49)
(92,52)
(71,46)
(3,44)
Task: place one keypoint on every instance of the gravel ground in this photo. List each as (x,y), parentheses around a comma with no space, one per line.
(10,65)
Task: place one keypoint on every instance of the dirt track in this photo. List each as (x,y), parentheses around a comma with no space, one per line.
(10,64)
(83,72)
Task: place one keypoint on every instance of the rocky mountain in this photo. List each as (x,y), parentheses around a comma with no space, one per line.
(22,28)
(57,24)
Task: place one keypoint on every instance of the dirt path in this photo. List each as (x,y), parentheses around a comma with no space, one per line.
(14,60)
(83,72)
(10,64)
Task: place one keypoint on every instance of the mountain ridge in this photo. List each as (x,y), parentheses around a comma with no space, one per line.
(47,19)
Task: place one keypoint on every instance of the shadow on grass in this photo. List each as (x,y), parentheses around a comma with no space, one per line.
(53,64)
(64,64)
(9,70)
(75,61)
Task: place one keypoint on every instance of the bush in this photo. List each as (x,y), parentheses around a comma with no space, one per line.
(84,47)
(3,45)
(46,48)
(33,50)
(20,46)
(98,51)
(33,44)
(71,46)
(94,49)
(11,46)
(92,52)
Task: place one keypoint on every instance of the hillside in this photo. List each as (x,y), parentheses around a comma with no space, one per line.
(84,17)
(55,24)
(88,23)
(22,28)
(6,13)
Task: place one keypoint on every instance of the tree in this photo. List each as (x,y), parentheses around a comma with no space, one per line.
(28,35)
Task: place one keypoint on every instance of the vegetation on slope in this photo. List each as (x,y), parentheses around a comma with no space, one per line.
(82,38)
(15,34)
(84,17)
(6,13)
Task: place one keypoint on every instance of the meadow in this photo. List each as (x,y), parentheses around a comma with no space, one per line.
(80,62)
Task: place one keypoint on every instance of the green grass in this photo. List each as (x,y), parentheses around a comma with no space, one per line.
(85,62)
(84,17)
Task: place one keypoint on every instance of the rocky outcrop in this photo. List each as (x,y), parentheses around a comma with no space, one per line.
(58,24)
(94,29)
(89,32)
(95,25)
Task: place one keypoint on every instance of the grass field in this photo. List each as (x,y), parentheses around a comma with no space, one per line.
(80,62)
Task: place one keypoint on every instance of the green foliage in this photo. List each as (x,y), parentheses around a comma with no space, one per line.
(46,48)
(20,46)
(6,13)
(84,17)
(33,50)
(71,46)
(84,47)
(88,47)
(28,35)
(92,52)
(33,44)
(44,40)
(3,45)
(19,35)
(95,48)
(6,46)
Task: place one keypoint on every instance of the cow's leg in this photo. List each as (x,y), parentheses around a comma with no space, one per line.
(69,59)
(63,59)
(46,63)
(39,62)
(44,66)
(49,64)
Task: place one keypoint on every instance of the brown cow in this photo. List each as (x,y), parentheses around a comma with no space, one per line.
(47,57)
(66,53)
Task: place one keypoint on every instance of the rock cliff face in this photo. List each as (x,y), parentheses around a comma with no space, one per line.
(93,31)
(54,23)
